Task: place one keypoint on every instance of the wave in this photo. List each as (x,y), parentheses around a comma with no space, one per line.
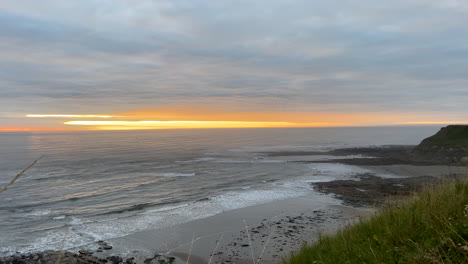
(175,174)
(91,194)
(231,160)
(141,207)
(167,208)
(197,160)
(81,232)
(38,212)
(315,147)
(136,207)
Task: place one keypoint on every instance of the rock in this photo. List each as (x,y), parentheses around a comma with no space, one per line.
(378,188)
(107,247)
(115,259)
(85,252)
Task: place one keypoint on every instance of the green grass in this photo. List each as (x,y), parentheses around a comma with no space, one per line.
(451,136)
(429,228)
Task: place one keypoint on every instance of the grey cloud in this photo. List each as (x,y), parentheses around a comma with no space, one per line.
(335,55)
(75,38)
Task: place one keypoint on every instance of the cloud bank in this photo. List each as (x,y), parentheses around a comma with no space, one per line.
(115,56)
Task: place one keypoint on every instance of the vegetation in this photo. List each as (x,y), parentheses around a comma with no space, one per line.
(429,228)
(19,175)
(451,136)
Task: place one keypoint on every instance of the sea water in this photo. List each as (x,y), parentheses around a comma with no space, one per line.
(97,185)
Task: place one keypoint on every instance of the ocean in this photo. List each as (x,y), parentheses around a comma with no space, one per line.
(98,185)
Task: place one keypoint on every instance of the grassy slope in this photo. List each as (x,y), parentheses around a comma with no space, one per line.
(452,136)
(431,228)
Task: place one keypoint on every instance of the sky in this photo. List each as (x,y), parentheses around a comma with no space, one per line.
(147,64)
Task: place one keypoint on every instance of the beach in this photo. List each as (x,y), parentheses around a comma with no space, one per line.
(274,230)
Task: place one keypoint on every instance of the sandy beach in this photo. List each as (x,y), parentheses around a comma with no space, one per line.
(273,230)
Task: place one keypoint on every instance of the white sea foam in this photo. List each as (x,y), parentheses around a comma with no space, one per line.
(83,233)
(256,160)
(60,217)
(176,174)
(322,147)
(197,160)
(166,208)
(317,157)
(163,174)
(336,170)
(232,160)
(76,221)
(38,212)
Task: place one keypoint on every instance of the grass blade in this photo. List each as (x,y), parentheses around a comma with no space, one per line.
(20,174)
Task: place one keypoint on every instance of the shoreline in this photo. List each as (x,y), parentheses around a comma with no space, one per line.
(275,228)
(282,225)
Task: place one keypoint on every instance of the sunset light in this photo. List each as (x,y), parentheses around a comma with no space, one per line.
(24,129)
(196,116)
(72,116)
(126,125)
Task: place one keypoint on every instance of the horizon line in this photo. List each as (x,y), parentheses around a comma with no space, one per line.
(59,129)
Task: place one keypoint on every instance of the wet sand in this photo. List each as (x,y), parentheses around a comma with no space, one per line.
(268,232)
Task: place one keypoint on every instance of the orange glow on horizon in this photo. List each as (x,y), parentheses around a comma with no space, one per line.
(127,125)
(25,129)
(72,116)
(202,113)
(204,117)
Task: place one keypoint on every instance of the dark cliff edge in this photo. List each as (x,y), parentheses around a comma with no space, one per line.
(449,144)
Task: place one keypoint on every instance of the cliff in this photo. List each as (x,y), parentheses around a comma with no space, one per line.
(449,144)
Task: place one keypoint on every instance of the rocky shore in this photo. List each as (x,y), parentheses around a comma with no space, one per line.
(83,257)
(370,190)
(371,156)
